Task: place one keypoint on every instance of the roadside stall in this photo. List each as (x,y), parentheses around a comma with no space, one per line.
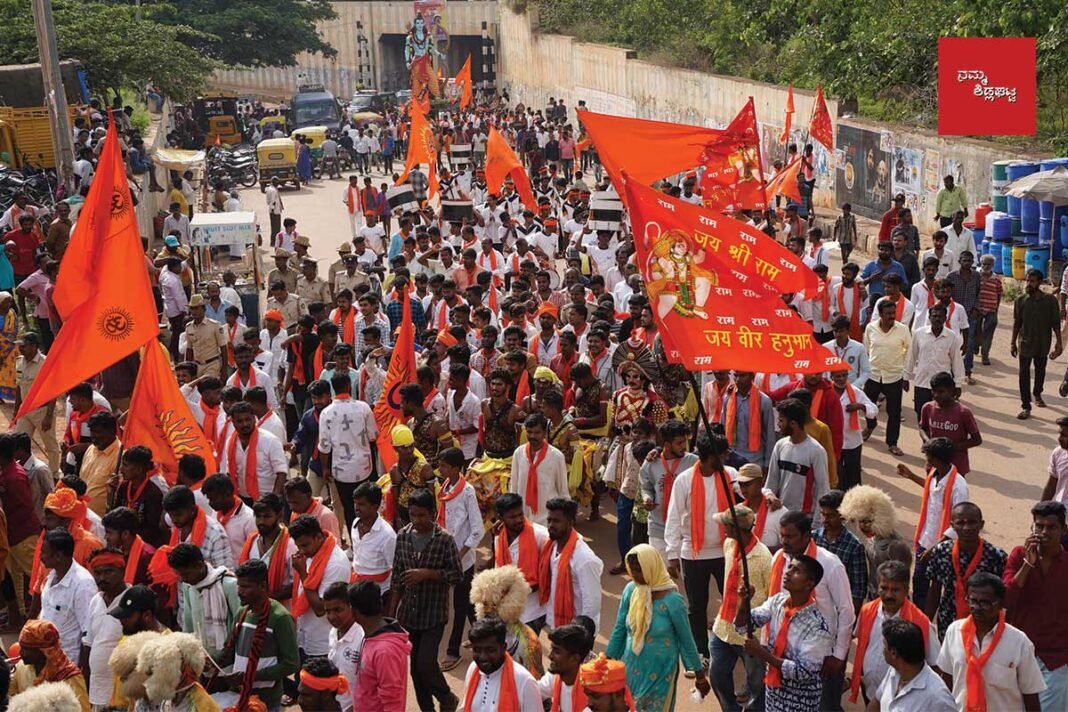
(227,242)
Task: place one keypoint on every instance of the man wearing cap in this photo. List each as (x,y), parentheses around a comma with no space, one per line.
(281,271)
(105,629)
(287,304)
(40,422)
(351,276)
(205,340)
(891,218)
(604,683)
(310,287)
(136,611)
(301,243)
(338,265)
(175,302)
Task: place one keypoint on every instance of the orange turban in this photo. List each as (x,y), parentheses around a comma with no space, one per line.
(274,315)
(547,308)
(336,683)
(44,636)
(604,676)
(446,339)
(64,502)
(37,633)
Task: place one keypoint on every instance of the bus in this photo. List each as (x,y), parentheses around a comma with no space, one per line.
(313,105)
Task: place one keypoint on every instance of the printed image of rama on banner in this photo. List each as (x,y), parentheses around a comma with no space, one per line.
(713,312)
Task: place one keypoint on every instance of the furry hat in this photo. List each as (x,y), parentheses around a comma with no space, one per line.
(170,662)
(123,663)
(866,502)
(501,591)
(48,697)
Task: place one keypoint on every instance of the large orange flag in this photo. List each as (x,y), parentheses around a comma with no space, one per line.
(789,115)
(785,183)
(502,162)
(734,177)
(102,290)
(714,311)
(422,148)
(820,128)
(401,372)
(160,419)
(463,80)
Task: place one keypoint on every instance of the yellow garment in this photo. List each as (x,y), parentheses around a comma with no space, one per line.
(24,676)
(98,467)
(640,613)
(822,434)
(489,476)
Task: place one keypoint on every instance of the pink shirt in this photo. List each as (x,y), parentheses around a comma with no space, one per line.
(37,284)
(567,148)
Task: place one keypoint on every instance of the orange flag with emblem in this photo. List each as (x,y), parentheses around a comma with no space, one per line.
(160,419)
(785,182)
(502,162)
(789,115)
(463,78)
(401,371)
(102,291)
(422,148)
(820,128)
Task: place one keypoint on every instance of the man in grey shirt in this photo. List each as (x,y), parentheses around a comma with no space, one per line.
(797,473)
(656,478)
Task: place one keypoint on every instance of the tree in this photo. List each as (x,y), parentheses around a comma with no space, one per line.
(117,49)
(253,33)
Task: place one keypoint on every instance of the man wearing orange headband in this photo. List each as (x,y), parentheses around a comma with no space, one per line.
(605,683)
(320,686)
(104,631)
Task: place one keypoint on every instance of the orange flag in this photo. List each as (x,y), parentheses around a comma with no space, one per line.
(502,162)
(422,148)
(734,176)
(820,128)
(160,419)
(710,301)
(102,291)
(401,372)
(463,78)
(785,183)
(789,115)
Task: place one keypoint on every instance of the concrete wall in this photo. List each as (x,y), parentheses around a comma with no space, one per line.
(534,66)
(343,73)
(152,203)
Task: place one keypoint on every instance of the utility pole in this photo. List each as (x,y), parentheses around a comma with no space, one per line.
(55,96)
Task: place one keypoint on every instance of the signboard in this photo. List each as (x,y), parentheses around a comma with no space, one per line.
(213,229)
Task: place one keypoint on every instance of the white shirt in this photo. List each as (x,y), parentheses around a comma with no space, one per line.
(680,513)
(254,554)
(270,461)
(229,294)
(875,665)
(927,692)
(63,603)
(929,354)
(586,570)
(346,430)
(373,553)
(552,480)
(175,302)
(488,689)
(604,258)
(932,533)
(546,686)
(345,654)
(1011,672)
(465,416)
(852,439)
(770,536)
(373,236)
(101,637)
(257,378)
(277,350)
(834,599)
(964,242)
(272,424)
(463,519)
(533,610)
(946,263)
(239,527)
(274,201)
(313,632)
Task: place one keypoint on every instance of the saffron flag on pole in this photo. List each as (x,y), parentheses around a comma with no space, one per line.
(387,410)
(734,177)
(463,80)
(102,291)
(820,127)
(785,137)
(160,419)
(712,311)
(785,181)
(501,162)
(422,148)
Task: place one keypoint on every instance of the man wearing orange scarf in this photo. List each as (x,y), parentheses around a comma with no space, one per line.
(493,681)
(798,639)
(989,664)
(63,510)
(539,472)
(749,420)
(519,542)
(569,579)
(318,563)
(570,645)
(41,652)
(694,539)
(857,409)
(271,544)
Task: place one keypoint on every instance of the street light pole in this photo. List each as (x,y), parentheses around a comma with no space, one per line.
(55,96)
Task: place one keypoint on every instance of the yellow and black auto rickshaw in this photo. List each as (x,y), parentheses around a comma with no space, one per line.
(277,159)
(218,118)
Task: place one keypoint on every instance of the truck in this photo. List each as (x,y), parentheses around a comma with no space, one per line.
(25,133)
(313,105)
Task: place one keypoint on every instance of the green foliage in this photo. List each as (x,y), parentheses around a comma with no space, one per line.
(116,48)
(253,33)
(881,54)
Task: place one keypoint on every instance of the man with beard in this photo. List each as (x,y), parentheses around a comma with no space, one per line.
(493,681)
(272,545)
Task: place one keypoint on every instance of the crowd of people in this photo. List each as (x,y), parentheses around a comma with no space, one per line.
(307,572)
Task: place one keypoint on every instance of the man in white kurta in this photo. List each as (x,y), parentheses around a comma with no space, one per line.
(482,683)
(548,465)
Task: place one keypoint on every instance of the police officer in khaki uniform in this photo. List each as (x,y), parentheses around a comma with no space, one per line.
(289,305)
(344,249)
(41,422)
(205,340)
(301,243)
(311,287)
(281,271)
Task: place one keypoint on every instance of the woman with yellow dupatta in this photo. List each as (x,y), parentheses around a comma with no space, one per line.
(652,632)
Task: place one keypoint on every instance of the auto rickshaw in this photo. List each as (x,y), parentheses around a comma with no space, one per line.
(277,159)
(219,118)
(272,122)
(315,136)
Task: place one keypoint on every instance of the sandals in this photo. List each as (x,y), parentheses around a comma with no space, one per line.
(449,663)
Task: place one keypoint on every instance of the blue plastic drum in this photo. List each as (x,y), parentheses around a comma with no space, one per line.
(1038,258)
(999,227)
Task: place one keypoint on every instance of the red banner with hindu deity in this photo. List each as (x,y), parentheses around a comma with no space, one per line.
(733,177)
(716,303)
(820,127)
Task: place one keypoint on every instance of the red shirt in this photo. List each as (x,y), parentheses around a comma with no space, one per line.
(888,223)
(22,521)
(830,412)
(25,244)
(956,423)
(1040,608)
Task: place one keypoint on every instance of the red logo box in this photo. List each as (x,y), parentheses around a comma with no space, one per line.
(986,86)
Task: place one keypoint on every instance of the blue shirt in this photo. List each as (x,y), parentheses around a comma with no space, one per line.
(306,440)
(875,286)
(394,311)
(396,244)
(219,314)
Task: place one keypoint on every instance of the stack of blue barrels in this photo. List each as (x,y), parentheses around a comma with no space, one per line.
(1040,228)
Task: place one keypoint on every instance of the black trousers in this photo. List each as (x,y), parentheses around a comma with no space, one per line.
(849,468)
(1025,378)
(696,575)
(920,398)
(892,390)
(177,327)
(427,678)
(462,611)
(276,224)
(345,490)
